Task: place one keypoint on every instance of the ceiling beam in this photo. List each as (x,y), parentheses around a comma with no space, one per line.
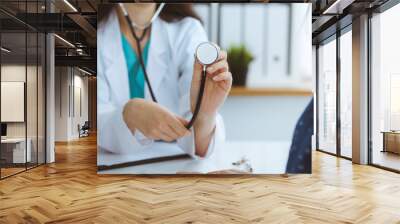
(84,24)
(79,61)
(337,7)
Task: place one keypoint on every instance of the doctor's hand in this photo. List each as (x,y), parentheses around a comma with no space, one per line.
(153,120)
(218,85)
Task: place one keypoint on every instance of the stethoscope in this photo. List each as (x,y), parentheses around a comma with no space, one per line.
(206,54)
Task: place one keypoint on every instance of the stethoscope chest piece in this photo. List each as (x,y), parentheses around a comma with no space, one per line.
(207,53)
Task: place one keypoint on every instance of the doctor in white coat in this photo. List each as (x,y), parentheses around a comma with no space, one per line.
(174,76)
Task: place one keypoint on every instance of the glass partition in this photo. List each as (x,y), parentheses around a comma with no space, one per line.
(346,94)
(327,96)
(23,91)
(41,97)
(385,89)
(14,151)
(31,99)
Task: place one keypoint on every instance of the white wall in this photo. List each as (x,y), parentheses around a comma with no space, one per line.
(79,117)
(62,81)
(34,125)
(13,100)
(70,84)
(12,73)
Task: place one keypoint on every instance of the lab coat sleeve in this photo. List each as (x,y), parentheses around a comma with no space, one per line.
(194,35)
(113,134)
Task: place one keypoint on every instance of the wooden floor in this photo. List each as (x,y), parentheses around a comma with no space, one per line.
(70,191)
(5,172)
(387,159)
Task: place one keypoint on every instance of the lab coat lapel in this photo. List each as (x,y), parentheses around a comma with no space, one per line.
(158,60)
(115,64)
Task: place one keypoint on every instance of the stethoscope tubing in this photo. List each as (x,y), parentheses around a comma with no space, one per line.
(153,97)
(143,27)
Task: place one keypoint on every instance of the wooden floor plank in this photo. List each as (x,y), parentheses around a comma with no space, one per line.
(70,191)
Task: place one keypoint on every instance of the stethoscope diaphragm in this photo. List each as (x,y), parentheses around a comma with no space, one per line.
(207,53)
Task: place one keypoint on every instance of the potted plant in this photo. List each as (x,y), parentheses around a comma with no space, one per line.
(239,58)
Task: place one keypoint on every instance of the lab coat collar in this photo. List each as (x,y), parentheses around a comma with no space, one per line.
(115,63)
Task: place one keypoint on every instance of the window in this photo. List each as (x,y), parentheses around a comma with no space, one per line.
(385,89)
(335,74)
(327,96)
(346,94)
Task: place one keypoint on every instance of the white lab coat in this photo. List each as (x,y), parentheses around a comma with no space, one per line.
(170,70)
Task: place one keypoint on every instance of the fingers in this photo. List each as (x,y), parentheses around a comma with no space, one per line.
(163,132)
(182,120)
(225,76)
(168,135)
(159,134)
(170,129)
(172,133)
(165,126)
(222,55)
(219,71)
(177,124)
(221,66)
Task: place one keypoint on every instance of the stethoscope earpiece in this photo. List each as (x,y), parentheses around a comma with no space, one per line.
(207,53)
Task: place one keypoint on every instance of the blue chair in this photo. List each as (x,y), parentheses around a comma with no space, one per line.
(300,150)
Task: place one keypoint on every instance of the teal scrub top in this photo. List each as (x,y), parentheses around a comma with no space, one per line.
(135,71)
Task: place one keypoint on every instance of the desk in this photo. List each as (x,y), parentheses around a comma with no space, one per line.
(264,157)
(13,150)
(269,91)
(391,141)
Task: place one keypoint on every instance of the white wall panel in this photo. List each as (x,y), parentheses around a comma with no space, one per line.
(12,101)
